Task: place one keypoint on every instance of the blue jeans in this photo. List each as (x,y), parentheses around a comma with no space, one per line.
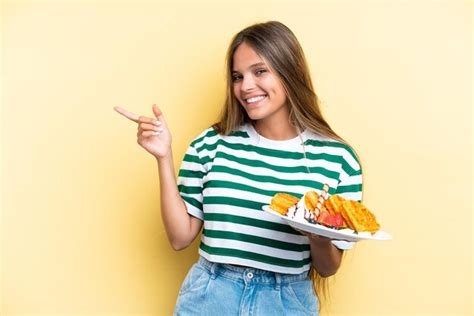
(223,289)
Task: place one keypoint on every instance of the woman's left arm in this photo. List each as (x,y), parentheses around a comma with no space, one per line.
(326,258)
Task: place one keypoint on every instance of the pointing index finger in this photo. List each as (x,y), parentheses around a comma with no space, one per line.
(131,116)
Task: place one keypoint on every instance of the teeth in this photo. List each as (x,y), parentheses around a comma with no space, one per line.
(256,99)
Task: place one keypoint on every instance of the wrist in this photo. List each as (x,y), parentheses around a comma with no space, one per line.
(166,157)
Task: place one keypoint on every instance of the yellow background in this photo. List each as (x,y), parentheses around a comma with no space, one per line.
(81,228)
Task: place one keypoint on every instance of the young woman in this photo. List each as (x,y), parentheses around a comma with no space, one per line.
(271,137)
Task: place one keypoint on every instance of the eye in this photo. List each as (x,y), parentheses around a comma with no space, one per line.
(236,77)
(260,71)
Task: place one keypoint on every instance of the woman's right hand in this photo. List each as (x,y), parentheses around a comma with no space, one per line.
(153,133)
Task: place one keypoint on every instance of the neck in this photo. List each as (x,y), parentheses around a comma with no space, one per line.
(280,131)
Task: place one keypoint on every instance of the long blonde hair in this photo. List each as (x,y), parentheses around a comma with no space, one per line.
(277,44)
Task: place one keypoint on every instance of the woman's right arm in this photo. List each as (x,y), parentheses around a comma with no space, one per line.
(181,227)
(154,136)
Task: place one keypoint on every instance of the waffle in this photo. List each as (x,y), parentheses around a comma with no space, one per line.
(333,205)
(358,217)
(311,200)
(281,202)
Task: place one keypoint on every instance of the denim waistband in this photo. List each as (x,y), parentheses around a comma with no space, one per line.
(248,274)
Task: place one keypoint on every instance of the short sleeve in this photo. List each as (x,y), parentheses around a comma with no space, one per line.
(350,186)
(190,182)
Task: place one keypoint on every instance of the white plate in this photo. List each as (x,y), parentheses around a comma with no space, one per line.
(329,232)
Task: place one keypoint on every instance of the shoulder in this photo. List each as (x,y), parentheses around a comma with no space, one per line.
(211,136)
(344,152)
(203,136)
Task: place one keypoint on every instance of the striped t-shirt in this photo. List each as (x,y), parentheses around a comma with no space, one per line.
(225,181)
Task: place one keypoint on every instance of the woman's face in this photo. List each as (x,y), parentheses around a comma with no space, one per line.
(256,87)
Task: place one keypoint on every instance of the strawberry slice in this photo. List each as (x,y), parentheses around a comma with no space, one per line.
(329,220)
(338,220)
(324,218)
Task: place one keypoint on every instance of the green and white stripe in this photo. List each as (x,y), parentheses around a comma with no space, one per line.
(225,181)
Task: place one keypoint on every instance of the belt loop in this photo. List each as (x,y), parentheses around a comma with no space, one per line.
(213,270)
(277,281)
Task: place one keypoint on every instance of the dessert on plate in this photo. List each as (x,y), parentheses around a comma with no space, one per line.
(333,211)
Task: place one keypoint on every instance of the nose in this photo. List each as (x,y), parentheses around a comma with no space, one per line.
(248,83)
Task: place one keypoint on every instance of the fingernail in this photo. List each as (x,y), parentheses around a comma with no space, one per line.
(156,133)
(157,123)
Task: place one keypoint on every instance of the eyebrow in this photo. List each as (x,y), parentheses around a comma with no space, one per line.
(253,66)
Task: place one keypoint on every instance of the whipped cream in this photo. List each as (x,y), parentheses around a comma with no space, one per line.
(300,212)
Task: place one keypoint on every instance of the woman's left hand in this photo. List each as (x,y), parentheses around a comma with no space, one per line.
(314,237)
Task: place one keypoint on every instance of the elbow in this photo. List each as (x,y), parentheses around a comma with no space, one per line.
(327,274)
(180,238)
(326,271)
(178,245)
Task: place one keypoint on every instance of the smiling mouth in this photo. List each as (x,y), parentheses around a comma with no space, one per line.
(255,99)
